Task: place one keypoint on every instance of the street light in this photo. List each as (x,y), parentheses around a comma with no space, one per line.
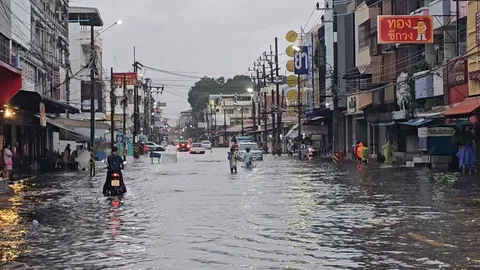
(112,25)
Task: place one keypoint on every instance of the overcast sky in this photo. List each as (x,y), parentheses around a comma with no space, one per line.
(195,37)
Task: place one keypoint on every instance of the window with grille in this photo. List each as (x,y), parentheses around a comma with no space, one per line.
(363,35)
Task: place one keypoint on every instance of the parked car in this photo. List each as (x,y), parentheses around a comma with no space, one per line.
(207,145)
(154,147)
(257,154)
(183,146)
(197,148)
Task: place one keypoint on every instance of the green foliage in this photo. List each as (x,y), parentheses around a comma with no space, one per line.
(462,137)
(198,94)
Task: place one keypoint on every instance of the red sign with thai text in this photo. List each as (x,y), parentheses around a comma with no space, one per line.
(130,78)
(405,29)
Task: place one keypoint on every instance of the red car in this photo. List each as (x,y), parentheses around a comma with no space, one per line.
(183,146)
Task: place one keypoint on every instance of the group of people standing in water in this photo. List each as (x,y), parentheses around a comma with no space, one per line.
(360,152)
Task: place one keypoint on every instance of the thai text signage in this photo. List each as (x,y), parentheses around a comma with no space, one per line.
(130,78)
(405,29)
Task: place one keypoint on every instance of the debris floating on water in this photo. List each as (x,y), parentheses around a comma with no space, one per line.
(35,223)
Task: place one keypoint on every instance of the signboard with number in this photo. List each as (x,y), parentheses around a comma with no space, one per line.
(301,61)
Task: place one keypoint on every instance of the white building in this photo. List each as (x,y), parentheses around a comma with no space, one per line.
(80,63)
(233,107)
(119,94)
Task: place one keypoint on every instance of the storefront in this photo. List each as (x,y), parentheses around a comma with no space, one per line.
(27,130)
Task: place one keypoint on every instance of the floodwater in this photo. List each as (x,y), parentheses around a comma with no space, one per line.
(284,214)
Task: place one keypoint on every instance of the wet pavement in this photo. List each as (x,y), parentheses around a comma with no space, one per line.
(284,214)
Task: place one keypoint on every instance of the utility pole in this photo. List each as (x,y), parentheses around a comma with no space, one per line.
(147,88)
(272,110)
(135,108)
(225,137)
(67,80)
(299,108)
(257,95)
(112,110)
(125,101)
(241,108)
(265,118)
(279,116)
(92,99)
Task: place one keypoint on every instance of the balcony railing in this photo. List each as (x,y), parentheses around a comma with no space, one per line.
(53,19)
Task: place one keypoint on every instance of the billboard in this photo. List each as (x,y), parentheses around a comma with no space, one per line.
(130,78)
(405,29)
(100,104)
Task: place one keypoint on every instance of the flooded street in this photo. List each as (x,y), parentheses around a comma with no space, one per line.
(284,214)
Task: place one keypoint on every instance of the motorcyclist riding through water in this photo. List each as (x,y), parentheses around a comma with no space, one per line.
(114,172)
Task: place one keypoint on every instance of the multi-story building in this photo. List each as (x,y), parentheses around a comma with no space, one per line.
(34,52)
(185,119)
(230,108)
(398,82)
(81,64)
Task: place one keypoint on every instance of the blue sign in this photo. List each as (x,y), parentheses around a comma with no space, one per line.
(119,138)
(301,62)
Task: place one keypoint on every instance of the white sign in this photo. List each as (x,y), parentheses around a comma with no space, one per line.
(422,132)
(202,125)
(441,132)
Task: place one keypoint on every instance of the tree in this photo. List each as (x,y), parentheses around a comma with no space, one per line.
(198,94)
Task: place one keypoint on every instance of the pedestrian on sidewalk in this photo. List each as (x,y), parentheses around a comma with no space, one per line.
(8,162)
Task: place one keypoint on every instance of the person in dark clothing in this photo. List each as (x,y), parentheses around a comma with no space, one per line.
(115,165)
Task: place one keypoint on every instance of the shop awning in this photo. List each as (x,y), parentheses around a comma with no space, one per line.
(417,122)
(436,112)
(10,82)
(292,133)
(465,107)
(66,133)
(30,101)
(389,123)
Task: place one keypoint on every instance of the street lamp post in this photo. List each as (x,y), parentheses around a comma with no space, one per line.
(241,109)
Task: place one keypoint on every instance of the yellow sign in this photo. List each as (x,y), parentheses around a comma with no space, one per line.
(290,66)
(115,117)
(291,111)
(292,95)
(290,51)
(292,80)
(291,36)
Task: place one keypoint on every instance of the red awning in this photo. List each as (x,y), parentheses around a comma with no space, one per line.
(465,107)
(10,82)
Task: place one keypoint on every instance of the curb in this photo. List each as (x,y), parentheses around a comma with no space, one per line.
(29,178)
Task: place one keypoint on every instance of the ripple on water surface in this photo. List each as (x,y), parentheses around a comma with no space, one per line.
(284,214)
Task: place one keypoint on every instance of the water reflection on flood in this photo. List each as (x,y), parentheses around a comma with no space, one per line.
(284,214)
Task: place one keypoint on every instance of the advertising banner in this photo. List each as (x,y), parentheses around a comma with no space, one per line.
(130,78)
(405,29)
(98,93)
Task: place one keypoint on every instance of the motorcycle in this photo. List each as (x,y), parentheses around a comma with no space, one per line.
(114,185)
